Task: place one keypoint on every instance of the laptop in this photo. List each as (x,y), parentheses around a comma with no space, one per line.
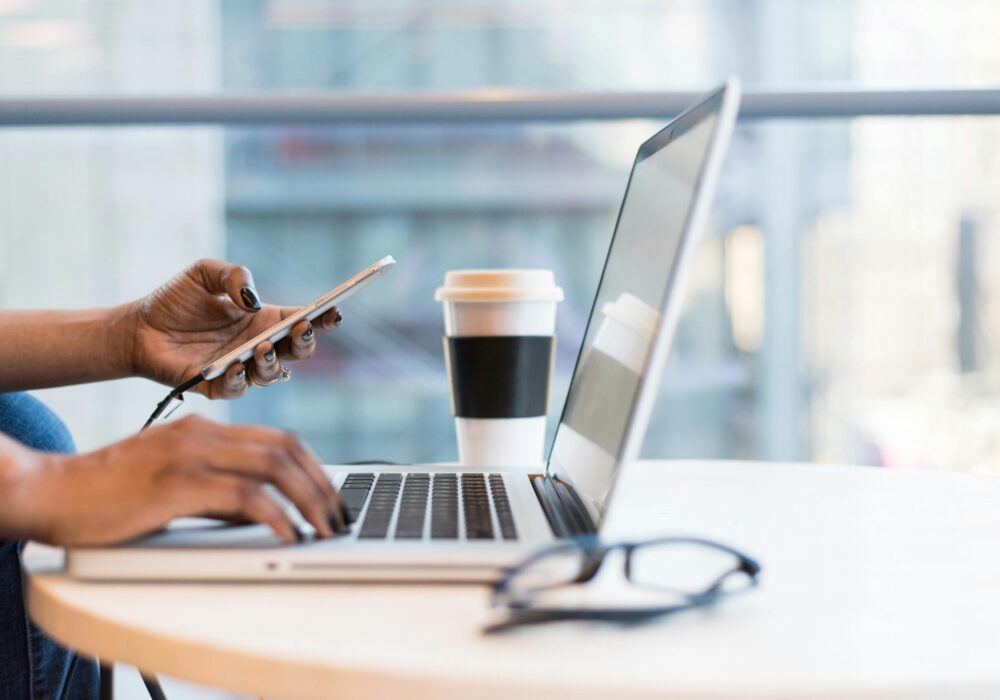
(450,523)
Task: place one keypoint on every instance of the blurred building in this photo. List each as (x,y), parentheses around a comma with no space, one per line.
(330,201)
(844,306)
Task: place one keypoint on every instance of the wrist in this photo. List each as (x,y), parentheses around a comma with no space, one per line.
(26,477)
(122,340)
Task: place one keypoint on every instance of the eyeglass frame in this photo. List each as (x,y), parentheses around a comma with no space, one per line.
(595,553)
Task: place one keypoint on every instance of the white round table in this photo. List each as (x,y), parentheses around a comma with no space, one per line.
(876,584)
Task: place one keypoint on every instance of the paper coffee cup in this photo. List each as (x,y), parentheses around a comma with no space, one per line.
(499,349)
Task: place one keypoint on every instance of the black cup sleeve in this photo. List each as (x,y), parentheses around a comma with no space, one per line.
(499,376)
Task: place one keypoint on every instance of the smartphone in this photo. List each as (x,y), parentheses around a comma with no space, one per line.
(313,310)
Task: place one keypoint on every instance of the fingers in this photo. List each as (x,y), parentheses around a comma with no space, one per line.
(220,277)
(270,463)
(231,385)
(265,362)
(283,460)
(302,341)
(310,464)
(238,498)
(329,320)
(255,456)
(292,452)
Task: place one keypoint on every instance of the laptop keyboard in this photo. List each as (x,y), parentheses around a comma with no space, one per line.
(400,506)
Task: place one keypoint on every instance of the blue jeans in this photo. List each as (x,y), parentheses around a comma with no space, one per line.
(32,666)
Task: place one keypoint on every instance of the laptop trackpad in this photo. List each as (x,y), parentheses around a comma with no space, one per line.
(205,533)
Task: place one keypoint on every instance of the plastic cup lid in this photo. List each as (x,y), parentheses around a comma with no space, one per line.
(499,285)
(632,312)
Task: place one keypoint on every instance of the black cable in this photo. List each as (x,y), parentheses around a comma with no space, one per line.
(151,682)
(176,393)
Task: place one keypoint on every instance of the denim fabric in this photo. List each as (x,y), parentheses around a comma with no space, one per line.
(32,666)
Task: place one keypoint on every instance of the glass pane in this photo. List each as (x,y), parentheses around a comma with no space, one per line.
(66,46)
(842,308)
(94,217)
(844,305)
(306,208)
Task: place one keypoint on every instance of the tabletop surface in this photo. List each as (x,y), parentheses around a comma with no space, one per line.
(876,583)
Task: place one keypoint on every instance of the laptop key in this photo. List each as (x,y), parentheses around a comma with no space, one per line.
(501,503)
(380,507)
(444,507)
(354,499)
(353,493)
(413,507)
(476,507)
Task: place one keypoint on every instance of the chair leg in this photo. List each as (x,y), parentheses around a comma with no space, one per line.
(152,687)
(107,682)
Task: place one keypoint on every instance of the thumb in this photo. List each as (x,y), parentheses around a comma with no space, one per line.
(233,280)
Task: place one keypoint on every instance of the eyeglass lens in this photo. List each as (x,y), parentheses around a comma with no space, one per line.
(685,567)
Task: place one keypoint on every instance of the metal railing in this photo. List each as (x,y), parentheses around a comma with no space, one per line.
(487,105)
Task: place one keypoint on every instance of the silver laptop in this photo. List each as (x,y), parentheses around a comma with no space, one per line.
(441,522)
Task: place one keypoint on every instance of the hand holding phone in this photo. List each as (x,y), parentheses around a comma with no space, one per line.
(311,311)
(277,332)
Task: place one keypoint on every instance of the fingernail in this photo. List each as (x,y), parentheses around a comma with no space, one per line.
(250,298)
(241,375)
(269,355)
(339,318)
(308,335)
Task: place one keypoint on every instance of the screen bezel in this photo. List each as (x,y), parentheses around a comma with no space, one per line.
(722,102)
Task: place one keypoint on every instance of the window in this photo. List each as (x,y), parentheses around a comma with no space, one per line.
(843,304)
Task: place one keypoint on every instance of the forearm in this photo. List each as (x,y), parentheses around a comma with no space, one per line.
(55,348)
(18,467)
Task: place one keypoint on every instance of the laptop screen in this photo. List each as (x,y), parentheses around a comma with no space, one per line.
(630,299)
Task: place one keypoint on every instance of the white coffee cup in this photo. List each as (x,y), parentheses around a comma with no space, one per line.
(499,348)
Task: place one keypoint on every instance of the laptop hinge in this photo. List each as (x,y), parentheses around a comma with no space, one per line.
(567,515)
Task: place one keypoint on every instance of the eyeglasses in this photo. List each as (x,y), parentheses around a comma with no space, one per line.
(661,577)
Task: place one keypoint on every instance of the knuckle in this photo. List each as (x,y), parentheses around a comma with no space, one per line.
(188,422)
(248,496)
(197,421)
(276,461)
(290,440)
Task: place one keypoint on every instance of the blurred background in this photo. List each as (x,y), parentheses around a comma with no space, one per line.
(846,301)
(845,306)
